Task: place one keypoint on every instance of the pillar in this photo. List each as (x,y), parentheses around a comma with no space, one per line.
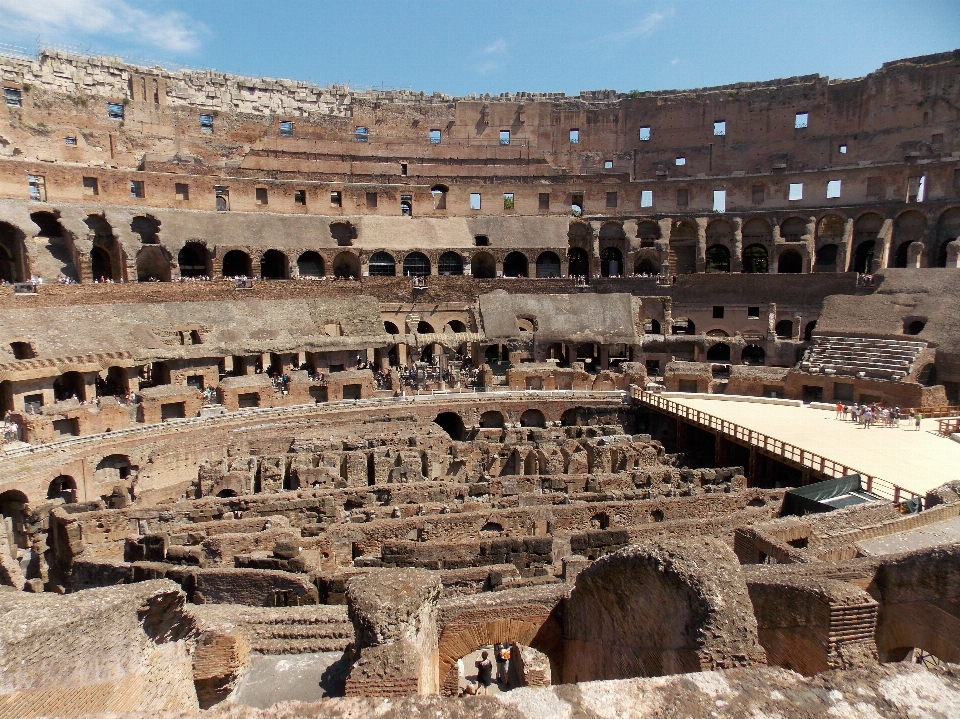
(772,321)
(702,244)
(810,239)
(775,250)
(604,357)
(885,236)
(401,354)
(845,253)
(736,261)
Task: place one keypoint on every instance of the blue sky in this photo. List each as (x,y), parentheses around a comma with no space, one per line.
(492,46)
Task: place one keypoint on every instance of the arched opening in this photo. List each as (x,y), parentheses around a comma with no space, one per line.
(492,420)
(902,256)
(48,223)
(416,264)
(13,506)
(718,259)
(100,265)
(116,383)
(424,328)
(651,327)
(105,256)
(757,232)
(148,227)
(236,263)
(784,329)
(753,355)
(439,194)
(382,264)
(533,418)
(578,262)
(390,328)
(515,265)
(826,260)
(226,493)
(273,265)
(790,262)
(455,326)
(648,232)
(684,326)
(600,520)
(406,208)
(68,385)
(793,229)
(611,262)
(194,260)
(451,423)
(153,264)
(683,247)
(645,267)
(913,327)
(450,263)
(755,259)
(548,264)
(310,264)
(63,487)
(865,231)
(909,227)
(808,331)
(9,267)
(483,266)
(719,352)
(492,528)
(719,232)
(864,257)
(346,265)
(570,418)
(948,230)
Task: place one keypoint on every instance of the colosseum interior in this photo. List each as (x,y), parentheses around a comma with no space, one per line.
(313,394)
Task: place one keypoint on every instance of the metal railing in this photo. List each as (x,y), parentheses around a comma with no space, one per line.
(771,445)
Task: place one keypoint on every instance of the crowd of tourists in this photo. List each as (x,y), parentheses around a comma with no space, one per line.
(877,415)
(9,430)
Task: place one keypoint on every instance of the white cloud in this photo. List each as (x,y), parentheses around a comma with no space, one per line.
(640,29)
(72,19)
(493,55)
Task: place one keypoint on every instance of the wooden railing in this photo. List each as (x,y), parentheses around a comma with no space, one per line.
(948,426)
(950,410)
(771,445)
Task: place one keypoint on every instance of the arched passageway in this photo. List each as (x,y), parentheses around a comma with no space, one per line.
(452,424)
(382,264)
(346,265)
(274,265)
(755,259)
(548,264)
(719,352)
(718,259)
(492,419)
(310,264)
(194,260)
(236,263)
(611,262)
(790,262)
(753,355)
(153,264)
(578,262)
(416,264)
(483,266)
(533,418)
(450,263)
(63,487)
(515,265)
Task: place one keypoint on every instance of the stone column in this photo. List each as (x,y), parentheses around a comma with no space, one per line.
(811,242)
(777,246)
(702,243)
(736,262)
(885,237)
(604,357)
(845,252)
(772,321)
(663,245)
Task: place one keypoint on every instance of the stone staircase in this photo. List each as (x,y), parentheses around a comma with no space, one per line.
(886,359)
(298,630)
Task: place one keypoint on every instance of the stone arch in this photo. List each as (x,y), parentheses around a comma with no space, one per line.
(757,231)
(580,234)
(533,418)
(515,265)
(578,262)
(548,264)
(483,266)
(236,263)
(416,264)
(793,229)
(194,260)
(274,265)
(718,258)
(611,262)
(69,384)
(682,257)
(14,506)
(612,237)
(63,487)
(720,232)
(310,264)
(720,352)
(784,329)
(756,259)
(753,355)
(450,263)
(830,229)
(808,330)
(147,227)
(645,266)
(908,227)
(153,264)
(790,262)
(492,419)
(106,255)
(948,230)
(866,228)
(452,424)
(345,265)
(48,222)
(826,258)
(13,254)
(343,233)
(648,232)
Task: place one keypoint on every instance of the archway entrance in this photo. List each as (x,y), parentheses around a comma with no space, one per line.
(194,260)
(451,423)
(578,262)
(382,264)
(515,265)
(611,262)
(718,259)
(236,263)
(548,265)
(346,265)
(755,259)
(483,266)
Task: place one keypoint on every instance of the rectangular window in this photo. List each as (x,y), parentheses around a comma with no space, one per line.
(719,200)
(608,164)
(136,189)
(206,123)
(683,198)
(875,189)
(481,241)
(12,97)
(796,191)
(70,141)
(611,199)
(646,198)
(403,169)
(544,200)
(361,134)
(435,137)
(474,200)
(286,129)
(576,204)
(300,197)
(717,312)
(371,199)
(504,137)
(182,191)
(681,161)
(37,187)
(800,121)
(842,149)
(508,200)
(753,313)
(915,188)
(336,199)
(574,137)
(644,134)
(937,140)
(758,194)
(221,196)
(261,195)
(91,186)
(720,128)
(115,110)
(833,189)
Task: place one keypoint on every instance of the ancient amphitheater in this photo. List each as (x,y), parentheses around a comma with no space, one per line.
(312,394)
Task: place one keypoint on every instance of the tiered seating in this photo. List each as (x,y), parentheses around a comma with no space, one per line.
(887,359)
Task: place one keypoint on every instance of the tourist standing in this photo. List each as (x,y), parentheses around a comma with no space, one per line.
(484,671)
(502,655)
(919,416)
(840,411)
